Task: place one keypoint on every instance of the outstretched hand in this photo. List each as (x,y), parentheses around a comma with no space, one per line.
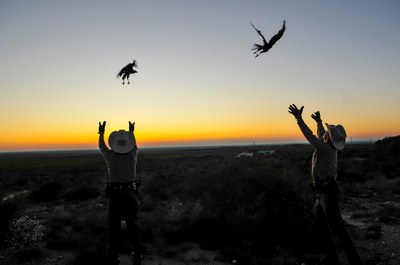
(316,116)
(296,112)
(102,127)
(131,126)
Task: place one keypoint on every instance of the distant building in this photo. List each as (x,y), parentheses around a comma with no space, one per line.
(245,154)
(256,153)
(266,152)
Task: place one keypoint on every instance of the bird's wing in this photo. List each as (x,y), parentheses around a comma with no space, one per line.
(125,69)
(278,35)
(259,32)
(128,68)
(120,73)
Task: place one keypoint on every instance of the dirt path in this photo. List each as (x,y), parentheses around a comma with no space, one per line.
(377,237)
(192,255)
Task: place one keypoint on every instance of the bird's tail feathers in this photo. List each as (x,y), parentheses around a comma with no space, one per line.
(257,47)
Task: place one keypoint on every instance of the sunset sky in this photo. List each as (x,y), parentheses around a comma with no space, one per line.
(198,82)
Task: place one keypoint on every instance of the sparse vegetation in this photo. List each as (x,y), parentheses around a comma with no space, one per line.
(255,210)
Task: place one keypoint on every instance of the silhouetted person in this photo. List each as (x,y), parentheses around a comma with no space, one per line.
(327,190)
(258,49)
(121,189)
(127,71)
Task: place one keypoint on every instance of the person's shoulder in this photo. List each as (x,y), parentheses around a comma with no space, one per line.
(328,148)
(134,151)
(106,151)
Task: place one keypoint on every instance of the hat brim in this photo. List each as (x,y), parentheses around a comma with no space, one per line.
(337,134)
(121,146)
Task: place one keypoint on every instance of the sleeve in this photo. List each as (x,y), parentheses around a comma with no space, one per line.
(320,130)
(308,134)
(102,145)
(135,154)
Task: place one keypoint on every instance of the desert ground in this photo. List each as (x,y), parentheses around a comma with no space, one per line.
(203,205)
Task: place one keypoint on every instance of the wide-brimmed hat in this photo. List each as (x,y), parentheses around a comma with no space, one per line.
(337,135)
(121,141)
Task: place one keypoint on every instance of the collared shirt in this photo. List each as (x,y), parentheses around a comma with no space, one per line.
(324,159)
(121,167)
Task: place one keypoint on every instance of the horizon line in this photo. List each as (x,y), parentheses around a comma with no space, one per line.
(185,146)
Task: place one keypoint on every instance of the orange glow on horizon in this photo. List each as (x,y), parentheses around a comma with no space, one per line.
(215,134)
(92,143)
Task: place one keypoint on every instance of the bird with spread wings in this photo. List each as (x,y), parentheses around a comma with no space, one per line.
(258,48)
(127,71)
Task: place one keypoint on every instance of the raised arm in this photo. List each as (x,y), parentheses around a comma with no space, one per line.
(320,127)
(132,130)
(135,149)
(308,134)
(102,144)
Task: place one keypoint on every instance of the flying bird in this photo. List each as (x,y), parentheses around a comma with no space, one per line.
(258,48)
(127,71)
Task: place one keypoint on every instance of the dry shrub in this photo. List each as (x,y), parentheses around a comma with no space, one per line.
(9,207)
(250,208)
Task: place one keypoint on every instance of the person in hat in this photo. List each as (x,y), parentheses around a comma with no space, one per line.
(327,190)
(121,189)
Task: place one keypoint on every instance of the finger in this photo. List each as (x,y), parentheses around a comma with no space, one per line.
(301,109)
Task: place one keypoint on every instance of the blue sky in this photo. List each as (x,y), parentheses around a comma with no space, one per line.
(197,79)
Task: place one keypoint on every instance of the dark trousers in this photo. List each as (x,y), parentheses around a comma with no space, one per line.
(331,223)
(122,203)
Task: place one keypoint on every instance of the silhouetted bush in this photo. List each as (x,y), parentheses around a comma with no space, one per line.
(26,232)
(82,193)
(48,191)
(73,231)
(8,210)
(386,157)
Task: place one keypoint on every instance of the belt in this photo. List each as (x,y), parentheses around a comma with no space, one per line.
(122,186)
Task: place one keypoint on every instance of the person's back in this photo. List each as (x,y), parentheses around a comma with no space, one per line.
(121,189)
(121,166)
